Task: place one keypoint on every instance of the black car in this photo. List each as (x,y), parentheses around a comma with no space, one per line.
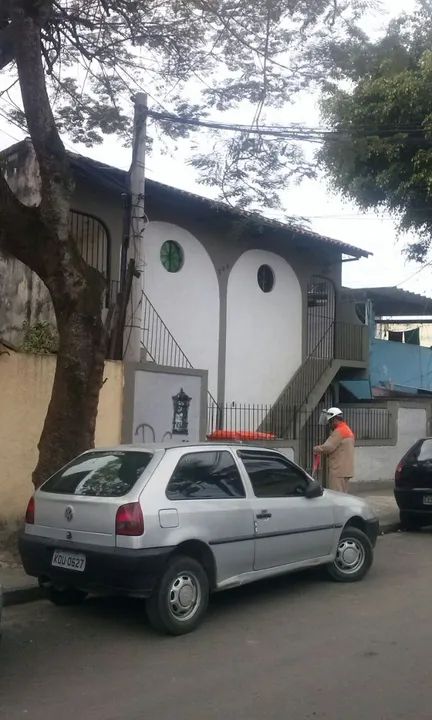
(413,486)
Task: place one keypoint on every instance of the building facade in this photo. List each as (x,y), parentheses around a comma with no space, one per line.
(255,302)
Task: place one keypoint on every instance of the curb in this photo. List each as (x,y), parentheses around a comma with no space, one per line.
(390,527)
(21,595)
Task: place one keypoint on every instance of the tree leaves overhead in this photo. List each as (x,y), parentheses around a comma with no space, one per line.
(194,56)
(383,155)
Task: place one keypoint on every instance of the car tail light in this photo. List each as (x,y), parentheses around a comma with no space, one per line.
(30,512)
(129,520)
(399,471)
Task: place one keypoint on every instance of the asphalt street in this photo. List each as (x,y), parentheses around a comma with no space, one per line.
(299,647)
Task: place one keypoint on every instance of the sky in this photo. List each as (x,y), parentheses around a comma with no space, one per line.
(328,213)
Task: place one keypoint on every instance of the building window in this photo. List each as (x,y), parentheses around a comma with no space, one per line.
(266,278)
(172,257)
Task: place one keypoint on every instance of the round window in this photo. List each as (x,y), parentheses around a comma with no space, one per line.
(172,256)
(266,278)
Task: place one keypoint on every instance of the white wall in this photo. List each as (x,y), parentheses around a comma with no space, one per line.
(264,330)
(187,301)
(374,464)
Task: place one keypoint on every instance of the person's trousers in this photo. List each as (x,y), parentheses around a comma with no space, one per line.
(340,484)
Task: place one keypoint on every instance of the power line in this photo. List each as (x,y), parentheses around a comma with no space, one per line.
(413,275)
(297,131)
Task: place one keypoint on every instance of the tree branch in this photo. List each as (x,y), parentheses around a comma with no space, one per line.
(56,180)
(21,230)
(7,50)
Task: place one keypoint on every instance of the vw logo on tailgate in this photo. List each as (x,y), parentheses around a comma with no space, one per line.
(69,513)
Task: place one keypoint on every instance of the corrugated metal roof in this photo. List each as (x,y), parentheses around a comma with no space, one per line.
(392,301)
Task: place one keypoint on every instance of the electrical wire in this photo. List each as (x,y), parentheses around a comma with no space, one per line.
(414,274)
(294,131)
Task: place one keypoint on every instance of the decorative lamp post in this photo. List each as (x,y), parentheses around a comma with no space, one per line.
(181,403)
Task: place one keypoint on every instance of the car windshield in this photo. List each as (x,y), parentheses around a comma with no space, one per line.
(99,474)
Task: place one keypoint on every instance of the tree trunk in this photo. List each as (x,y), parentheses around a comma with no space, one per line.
(70,423)
(40,238)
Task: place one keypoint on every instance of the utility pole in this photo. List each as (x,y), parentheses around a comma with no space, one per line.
(133,327)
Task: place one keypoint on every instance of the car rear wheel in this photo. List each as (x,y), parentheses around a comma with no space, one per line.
(354,556)
(409,522)
(63,596)
(180,600)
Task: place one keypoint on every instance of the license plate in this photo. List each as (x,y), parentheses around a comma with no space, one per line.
(68,560)
(427,499)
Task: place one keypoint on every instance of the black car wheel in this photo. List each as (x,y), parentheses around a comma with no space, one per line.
(180,600)
(354,556)
(409,522)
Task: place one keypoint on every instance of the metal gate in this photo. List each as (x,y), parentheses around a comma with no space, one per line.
(312,433)
(93,240)
(321,311)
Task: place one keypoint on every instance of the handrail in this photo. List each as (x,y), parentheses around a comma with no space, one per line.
(161,345)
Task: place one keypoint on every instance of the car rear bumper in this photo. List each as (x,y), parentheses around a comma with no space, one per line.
(109,570)
(412,499)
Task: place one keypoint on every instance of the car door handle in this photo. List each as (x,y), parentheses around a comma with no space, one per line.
(263,515)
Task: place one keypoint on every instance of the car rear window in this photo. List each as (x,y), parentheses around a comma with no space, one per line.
(99,474)
(425,450)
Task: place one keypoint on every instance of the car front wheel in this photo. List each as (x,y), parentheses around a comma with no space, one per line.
(354,556)
(181,597)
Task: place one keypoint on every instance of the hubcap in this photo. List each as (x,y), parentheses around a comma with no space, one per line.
(184,596)
(350,556)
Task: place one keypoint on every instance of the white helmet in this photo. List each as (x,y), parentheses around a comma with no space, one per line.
(329,414)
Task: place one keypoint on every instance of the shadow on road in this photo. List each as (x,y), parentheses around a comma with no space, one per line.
(131,613)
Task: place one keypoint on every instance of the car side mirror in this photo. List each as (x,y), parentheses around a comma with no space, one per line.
(313,490)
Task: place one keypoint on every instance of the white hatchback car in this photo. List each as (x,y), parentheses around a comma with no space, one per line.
(173,524)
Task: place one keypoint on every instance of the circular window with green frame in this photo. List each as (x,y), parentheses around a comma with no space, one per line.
(172,256)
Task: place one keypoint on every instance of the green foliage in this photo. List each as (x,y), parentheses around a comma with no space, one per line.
(381,156)
(221,53)
(39,339)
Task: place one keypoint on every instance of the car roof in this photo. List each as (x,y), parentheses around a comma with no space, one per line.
(154,447)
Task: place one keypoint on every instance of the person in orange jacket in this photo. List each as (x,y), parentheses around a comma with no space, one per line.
(339,448)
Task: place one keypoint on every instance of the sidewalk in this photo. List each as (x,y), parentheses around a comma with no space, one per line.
(384,504)
(19,588)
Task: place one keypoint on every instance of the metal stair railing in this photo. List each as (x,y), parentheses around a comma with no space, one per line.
(161,345)
(342,341)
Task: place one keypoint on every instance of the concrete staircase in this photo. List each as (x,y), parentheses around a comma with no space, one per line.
(342,346)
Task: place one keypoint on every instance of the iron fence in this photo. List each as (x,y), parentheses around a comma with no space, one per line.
(350,341)
(251,418)
(369,423)
(292,423)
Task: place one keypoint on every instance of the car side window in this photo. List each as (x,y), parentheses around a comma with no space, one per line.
(272,476)
(206,475)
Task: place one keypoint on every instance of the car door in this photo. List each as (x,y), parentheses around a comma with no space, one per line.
(289,527)
(208,494)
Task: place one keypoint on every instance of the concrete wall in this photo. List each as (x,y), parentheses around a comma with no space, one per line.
(25,390)
(23,296)
(377,464)
(264,329)
(187,300)
(400,365)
